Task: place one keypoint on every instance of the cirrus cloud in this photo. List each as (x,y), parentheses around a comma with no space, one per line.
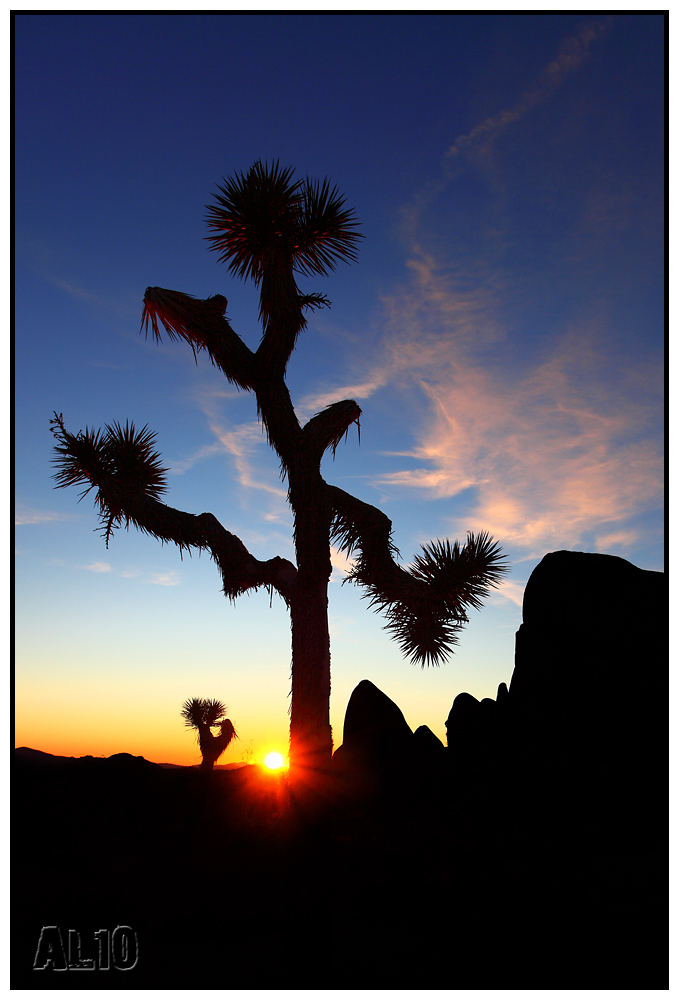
(548,451)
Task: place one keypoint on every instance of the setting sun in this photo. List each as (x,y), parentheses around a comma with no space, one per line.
(273,761)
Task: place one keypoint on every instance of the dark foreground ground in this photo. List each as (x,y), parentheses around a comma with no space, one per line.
(441,881)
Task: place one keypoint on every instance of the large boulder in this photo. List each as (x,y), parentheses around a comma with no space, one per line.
(378,741)
(598,591)
(374,726)
(470,723)
(475,733)
(590,674)
(590,670)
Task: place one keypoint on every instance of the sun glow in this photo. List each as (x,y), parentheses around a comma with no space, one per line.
(273,761)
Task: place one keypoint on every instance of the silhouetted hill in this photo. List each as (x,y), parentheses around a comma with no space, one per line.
(217,767)
(29,756)
(39,757)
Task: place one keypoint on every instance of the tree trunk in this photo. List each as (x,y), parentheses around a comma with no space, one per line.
(310,733)
(205,743)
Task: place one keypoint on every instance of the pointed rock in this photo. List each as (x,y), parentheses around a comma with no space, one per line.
(377,738)
(426,746)
(375,722)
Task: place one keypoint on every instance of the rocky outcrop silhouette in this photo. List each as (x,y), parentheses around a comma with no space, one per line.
(371,719)
(470,723)
(377,743)
(590,669)
(381,758)
(589,676)
(578,742)
(426,745)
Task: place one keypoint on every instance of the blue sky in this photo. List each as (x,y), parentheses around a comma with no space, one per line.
(502,332)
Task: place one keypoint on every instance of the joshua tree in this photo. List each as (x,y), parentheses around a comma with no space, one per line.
(203,715)
(269,227)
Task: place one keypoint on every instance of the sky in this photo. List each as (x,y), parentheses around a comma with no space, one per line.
(502,331)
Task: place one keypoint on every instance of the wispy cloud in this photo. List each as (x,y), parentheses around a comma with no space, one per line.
(27,516)
(104,304)
(476,146)
(314,403)
(241,442)
(161,579)
(279,516)
(54,263)
(165,579)
(99,567)
(341,565)
(74,290)
(545,456)
(178,468)
(572,53)
(616,539)
(510,590)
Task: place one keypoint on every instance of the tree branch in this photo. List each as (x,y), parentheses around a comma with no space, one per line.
(201,323)
(424,607)
(128,479)
(239,569)
(326,429)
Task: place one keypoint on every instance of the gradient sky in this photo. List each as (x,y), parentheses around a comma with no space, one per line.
(502,332)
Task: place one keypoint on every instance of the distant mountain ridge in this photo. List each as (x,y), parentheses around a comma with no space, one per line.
(28,755)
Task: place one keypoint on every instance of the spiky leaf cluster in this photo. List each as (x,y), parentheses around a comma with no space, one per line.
(203,712)
(119,455)
(461,575)
(266,221)
(426,607)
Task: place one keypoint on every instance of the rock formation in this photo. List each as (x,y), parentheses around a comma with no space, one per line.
(583,724)
(377,739)
(427,745)
(590,670)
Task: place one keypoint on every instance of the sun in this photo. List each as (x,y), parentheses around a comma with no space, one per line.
(273,761)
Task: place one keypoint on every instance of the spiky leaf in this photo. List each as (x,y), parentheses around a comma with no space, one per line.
(202,712)
(425,607)
(425,620)
(266,221)
(122,456)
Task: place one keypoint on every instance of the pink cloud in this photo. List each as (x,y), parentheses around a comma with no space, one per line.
(547,461)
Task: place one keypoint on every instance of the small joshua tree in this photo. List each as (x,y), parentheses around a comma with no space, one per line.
(269,227)
(203,715)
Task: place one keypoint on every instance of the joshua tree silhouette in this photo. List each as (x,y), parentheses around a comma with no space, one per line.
(269,226)
(203,715)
